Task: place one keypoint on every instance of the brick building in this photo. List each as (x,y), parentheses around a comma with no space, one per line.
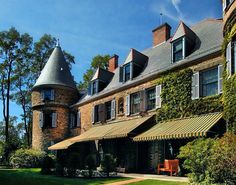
(130,110)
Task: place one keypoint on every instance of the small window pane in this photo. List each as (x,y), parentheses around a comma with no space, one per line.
(47,94)
(94,87)
(178,50)
(47,120)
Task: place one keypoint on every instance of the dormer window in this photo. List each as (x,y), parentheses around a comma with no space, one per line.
(127,72)
(178,50)
(47,94)
(95,87)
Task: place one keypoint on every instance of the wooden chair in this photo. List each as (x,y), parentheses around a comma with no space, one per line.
(169,166)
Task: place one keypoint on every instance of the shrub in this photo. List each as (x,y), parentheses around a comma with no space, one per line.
(90,164)
(197,155)
(74,162)
(108,164)
(47,164)
(222,168)
(26,158)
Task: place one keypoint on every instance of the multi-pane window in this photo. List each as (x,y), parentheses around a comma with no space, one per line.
(97,117)
(151,98)
(135,103)
(94,87)
(47,94)
(177,50)
(127,72)
(75,119)
(47,119)
(209,82)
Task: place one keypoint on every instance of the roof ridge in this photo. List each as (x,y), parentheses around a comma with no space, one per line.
(205,20)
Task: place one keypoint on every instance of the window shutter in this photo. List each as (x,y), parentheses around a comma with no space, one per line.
(93,114)
(101,112)
(89,89)
(158,96)
(121,74)
(78,119)
(42,95)
(228,59)
(220,78)
(224,5)
(143,100)
(131,70)
(183,48)
(195,86)
(127,111)
(41,119)
(52,94)
(72,119)
(97,86)
(113,109)
(54,119)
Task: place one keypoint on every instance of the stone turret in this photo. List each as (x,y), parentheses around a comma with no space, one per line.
(52,94)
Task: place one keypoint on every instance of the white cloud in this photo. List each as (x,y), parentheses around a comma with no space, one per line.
(176,4)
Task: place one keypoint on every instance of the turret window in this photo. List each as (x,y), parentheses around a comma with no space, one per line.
(47,94)
(47,119)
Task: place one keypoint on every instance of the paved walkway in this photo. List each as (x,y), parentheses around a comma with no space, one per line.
(155,177)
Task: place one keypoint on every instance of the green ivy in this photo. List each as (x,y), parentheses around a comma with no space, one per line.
(229,88)
(176,98)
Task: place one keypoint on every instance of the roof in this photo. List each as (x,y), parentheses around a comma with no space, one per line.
(181,128)
(118,129)
(135,56)
(56,72)
(103,75)
(159,57)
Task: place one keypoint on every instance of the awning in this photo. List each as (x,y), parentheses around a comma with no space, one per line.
(118,129)
(61,145)
(181,128)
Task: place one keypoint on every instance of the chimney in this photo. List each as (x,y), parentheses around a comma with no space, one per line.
(161,34)
(113,63)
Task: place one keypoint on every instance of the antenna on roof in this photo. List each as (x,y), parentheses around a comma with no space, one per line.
(58,43)
(161,16)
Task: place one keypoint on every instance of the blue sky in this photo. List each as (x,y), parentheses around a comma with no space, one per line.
(87,28)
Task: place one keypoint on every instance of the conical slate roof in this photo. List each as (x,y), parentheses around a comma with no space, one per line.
(56,72)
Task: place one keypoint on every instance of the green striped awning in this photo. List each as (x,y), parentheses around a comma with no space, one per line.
(119,129)
(196,126)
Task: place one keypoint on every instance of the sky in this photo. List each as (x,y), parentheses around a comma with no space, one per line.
(87,28)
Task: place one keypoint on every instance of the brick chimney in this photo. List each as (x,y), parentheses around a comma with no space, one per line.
(161,34)
(113,63)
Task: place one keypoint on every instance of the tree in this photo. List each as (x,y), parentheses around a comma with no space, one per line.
(11,45)
(99,61)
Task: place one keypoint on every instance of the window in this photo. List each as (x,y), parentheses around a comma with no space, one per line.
(231,57)
(226,3)
(127,73)
(47,119)
(151,98)
(207,82)
(178,50)
(135,103)
(75,119)
(97,117)
(47,94)
(94,87)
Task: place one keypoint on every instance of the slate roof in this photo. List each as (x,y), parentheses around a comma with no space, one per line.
(56,72)
(103,75)
(208,40)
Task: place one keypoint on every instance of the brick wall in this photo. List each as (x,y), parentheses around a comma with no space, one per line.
(42,138)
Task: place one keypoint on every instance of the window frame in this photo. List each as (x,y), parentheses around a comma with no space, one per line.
(182,50)
(147,98)
(127,73)
(135,110)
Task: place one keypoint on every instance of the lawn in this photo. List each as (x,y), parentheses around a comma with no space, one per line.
(157,182)
(33,177)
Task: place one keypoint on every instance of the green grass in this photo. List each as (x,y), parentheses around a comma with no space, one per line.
(157,182)
(33,177)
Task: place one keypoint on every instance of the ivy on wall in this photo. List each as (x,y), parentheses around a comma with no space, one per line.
(176,98)
(229,88)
